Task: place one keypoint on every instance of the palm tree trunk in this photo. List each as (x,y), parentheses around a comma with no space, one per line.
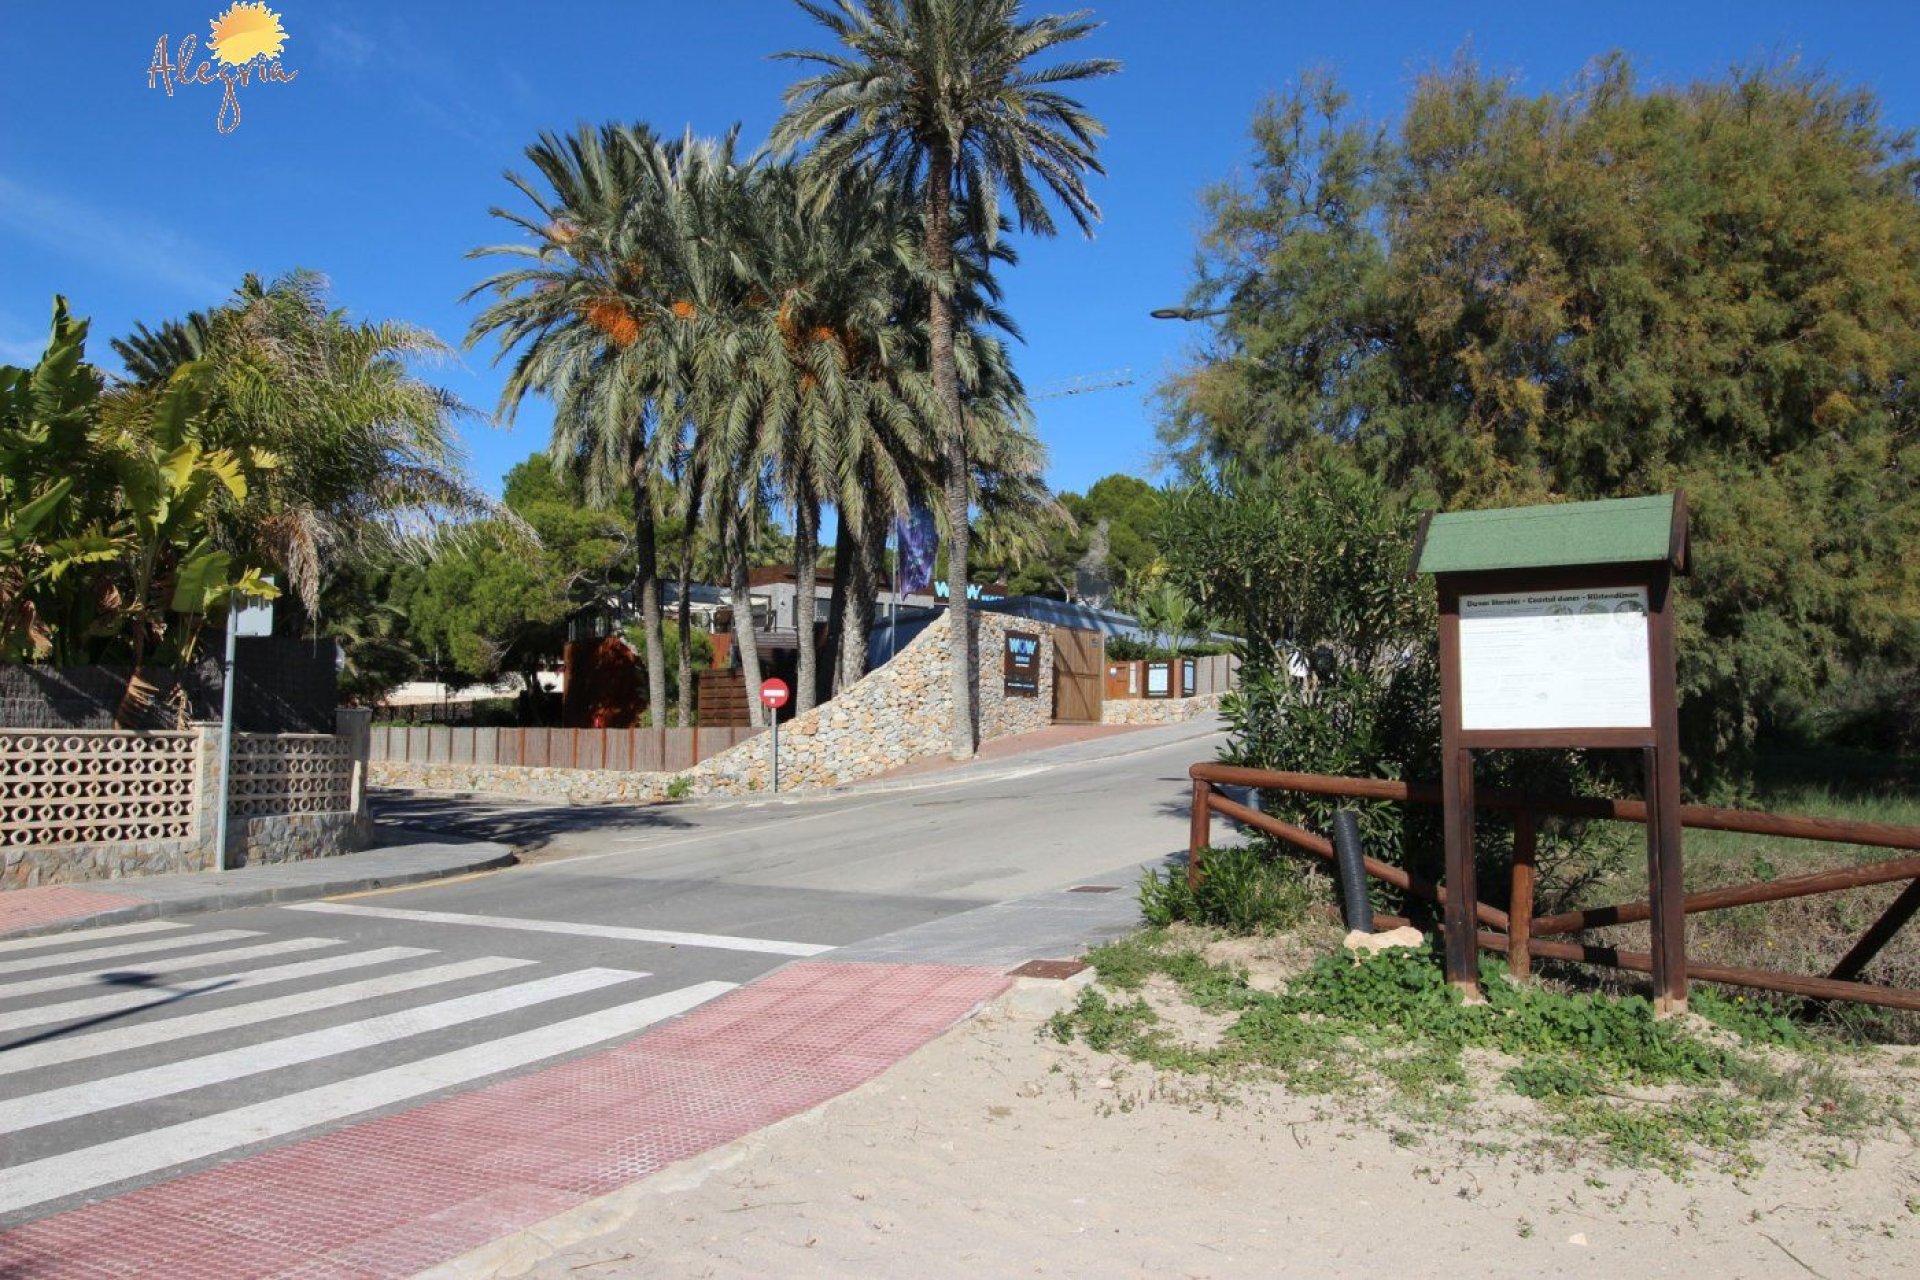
(744,639)
(646,575)
(837,603)
(806,550)
(946,383)
(683,624)
(863,575)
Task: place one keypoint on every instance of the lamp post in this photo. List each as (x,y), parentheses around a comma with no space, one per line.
(1187,313)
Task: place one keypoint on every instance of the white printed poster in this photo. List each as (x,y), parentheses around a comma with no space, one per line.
(1555,660)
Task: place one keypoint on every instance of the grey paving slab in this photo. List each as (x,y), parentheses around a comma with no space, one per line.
(1054,925)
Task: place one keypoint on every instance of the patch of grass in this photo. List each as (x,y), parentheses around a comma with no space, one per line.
(1608,1075)
(1801,935)
(1247,889)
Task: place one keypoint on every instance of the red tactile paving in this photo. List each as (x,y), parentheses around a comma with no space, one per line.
(49,904)
(392,1196)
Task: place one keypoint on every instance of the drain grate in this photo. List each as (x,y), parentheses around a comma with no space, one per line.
(1047,969)
(1095,888)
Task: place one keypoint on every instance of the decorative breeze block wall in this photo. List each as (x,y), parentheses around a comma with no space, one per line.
(276,774)
(90,787)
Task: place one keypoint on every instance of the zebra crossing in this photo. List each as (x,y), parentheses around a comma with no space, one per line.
(139,1050)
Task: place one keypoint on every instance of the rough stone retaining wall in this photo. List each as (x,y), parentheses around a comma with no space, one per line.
(898,713)
(562,786)
(1158,710)
(901,712)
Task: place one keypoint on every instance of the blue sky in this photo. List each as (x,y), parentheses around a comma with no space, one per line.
(378,164)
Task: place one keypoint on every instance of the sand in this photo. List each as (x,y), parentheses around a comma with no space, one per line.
(994,1152)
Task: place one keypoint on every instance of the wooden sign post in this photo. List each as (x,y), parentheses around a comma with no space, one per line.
(1556,630)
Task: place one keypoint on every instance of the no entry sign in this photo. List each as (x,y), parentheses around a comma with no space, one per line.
(773,693)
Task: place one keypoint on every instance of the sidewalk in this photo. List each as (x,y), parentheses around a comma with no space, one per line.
(58,908)
(1056,744)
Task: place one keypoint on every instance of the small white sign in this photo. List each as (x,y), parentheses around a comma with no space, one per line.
(253,618)
(1555,660)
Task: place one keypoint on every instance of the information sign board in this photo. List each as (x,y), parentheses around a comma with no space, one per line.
(1555,660)
(1020,670)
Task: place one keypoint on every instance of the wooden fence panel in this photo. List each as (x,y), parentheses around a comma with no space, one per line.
(640,750)
(681,752)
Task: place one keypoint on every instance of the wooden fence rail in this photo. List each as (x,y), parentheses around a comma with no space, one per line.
(633,750)
(1519,929)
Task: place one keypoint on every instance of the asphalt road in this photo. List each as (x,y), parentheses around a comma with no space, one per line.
(130,1055)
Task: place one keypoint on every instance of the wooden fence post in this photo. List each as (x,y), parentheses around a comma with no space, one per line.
(1199,831)
(1520,899)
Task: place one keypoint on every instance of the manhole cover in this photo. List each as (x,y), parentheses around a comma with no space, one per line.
(1047,969)
(1095,888)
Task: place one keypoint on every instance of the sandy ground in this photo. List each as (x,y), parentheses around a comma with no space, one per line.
(995,1152)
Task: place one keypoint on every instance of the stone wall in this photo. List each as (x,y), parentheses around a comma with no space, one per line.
(898,713)
(1158,710)
(109,785)
(561,786)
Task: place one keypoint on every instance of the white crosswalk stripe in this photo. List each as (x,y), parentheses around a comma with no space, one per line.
(127,949)
(185,1069)
(103,1164)
(148,974)
(92,935)
(666,937)
(53,1052)
(123,1001)
(89,1097)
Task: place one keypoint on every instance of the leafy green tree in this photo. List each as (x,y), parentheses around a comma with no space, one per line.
(939,98)
(490,603)
(1612,291)
(495,597)
(366,454)
(109,513)
(1108,533)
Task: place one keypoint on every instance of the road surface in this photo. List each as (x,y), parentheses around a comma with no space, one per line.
(131,1055)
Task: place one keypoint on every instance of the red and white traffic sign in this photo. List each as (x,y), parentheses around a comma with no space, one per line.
(773,693)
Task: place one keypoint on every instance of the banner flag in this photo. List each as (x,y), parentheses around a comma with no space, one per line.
(919,543)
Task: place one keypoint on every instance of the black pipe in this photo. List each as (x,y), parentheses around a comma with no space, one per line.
(1355,905)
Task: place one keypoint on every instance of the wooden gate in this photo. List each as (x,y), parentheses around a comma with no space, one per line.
(1079,669)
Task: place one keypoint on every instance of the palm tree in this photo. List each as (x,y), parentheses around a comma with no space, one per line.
(826,361)
(610,304)
(939,99)
(366,457)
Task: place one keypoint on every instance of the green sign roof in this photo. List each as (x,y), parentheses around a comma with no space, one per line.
(1611,531)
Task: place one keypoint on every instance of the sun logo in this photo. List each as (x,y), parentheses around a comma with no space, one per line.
(246,31)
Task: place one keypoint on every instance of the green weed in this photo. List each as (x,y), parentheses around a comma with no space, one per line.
(1393,1022)
(1245,890)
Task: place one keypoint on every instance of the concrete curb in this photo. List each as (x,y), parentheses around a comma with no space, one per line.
(461,858)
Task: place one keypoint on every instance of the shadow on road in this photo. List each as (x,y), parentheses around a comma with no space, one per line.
(412,818)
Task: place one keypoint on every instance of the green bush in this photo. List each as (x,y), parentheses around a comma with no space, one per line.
(1244,891)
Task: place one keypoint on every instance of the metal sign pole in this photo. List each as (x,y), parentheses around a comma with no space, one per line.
(776,750)
(226,735)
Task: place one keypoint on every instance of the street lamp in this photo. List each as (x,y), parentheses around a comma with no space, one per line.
(1186,313)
